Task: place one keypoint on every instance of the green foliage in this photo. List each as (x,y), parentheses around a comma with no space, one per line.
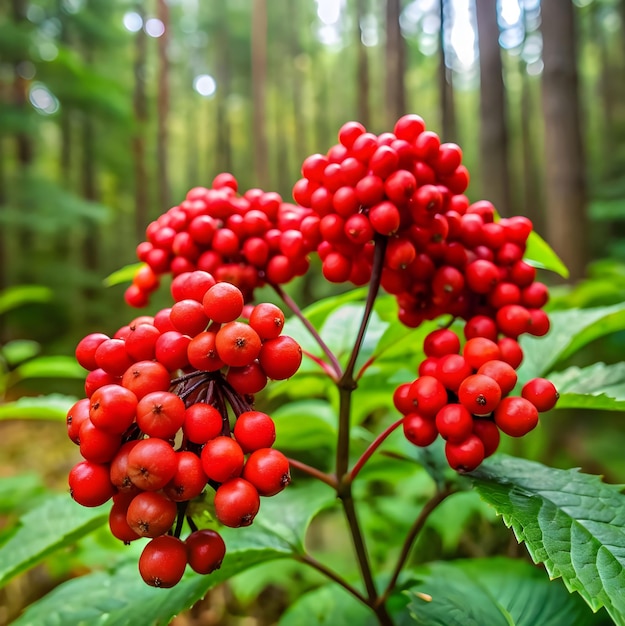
(14,297)
(540,254)
(598,386)
(571,522)
(494,591)
(51,407)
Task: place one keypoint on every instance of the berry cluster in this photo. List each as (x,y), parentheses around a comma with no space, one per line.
(464,395)
(168,412)
(443,255)
(246,240)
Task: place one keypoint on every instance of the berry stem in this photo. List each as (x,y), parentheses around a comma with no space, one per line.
(373,446)
(313,472)
(321,363)
(336,366)
(182,509)
(332,575)
(414,531)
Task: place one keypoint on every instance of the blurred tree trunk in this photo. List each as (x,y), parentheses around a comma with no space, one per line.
(224,79)
(296,86)
(493,127)
(567,225)
(362,71)
(162,105)
(445,84)
(395,65)
(259,79)
(140,110)
(532,204)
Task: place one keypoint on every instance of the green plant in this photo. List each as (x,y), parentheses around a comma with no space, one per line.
(336,416)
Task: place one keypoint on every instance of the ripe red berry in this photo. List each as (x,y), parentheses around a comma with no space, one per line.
(466,455)
(160,414)
(146,377)
(205,550)
(189,480)
(541,392)
(254,430)
(236,503)
(113,408)
(280,358)
(163,561)
(441,342)
(419,430)
(451,370)
(454,422)
(479,350)
(479,394)
(501,372)
(85,350)
(268,470)
(516,416)
(223,303)
(151,514)
(267,320)
(428,396)
(89,483)
(489,435)
(152,464)
(222,459)
(237,344)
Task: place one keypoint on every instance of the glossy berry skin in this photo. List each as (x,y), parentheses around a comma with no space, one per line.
(541,392)
(419,430)
(236,503)
(202,422)
(516,416)
(189,480)
(254,430)
(237,344)
(454,422)
(479,394)
(280,358)
(466,455)
(488,432)
(428,396)
(267,320)
(441,342)
(205,550)
(152,464)
(163,561)
(503,373)
(151,514)
(223,303)
(160,414)
(268,470)
(479,350)
(89,483)
(222,459)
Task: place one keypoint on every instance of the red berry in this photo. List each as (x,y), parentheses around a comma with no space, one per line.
(223,303)
(466,455)
(502,373)
(268,470)
(267,320)
(281,357)
(541,392)
(479,394)
(152,464)
(441,342)
(160,414)
(205,550)
(419,430)
(237,344)
(222,459)
(236,503)
(479,350)
(151,514)
(516,416)
(454,422)
(489,435)
(89,483)
(254,430)
(163,561)
(428,396)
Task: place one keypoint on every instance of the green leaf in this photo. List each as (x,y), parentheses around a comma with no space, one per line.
(20,350)
(329,605)
(494,591)
(540,254)
(123,275)
(305,424)
(572,522)
(18,492)
(49,367)
(598,386)
(55,523)
(52,407)
(121,598)
(570,331)
(14,297)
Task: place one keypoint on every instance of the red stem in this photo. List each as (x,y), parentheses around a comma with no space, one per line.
(373,446)
(314,472)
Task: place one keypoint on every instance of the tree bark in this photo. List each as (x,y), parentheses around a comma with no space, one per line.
(445,84)
(224,80)
(567,224)
(300,143)
(140,109)
(493,127)
(259,79)
(162,104)
(362,69)
(395,64)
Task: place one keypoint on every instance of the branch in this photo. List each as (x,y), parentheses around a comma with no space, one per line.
(313,472)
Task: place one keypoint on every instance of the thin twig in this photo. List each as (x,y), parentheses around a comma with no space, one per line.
(314,472)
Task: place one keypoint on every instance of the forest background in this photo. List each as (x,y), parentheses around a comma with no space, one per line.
(110,110)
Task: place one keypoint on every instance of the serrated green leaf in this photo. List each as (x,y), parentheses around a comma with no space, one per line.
(493,591)
(597,402)
(52,407)
(570,331)
(49,367)
(329,605)
(572,522)
(13,297)
(540,254)
(122,275)
(55,523)
(595,379)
